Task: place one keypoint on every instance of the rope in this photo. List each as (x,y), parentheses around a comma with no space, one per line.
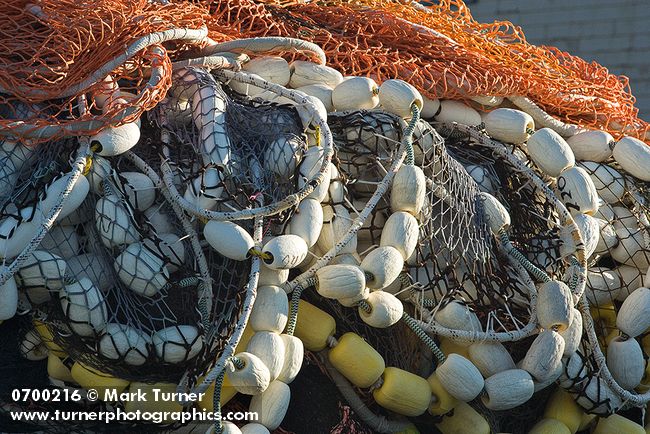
(237,362)
(529,266)
(295,299)
(216,402)
(267,44)
(265,256)
(376,422)
(221,61)
(543,119)
(408,135)
(424,337)
(365,306)
(251,294)
(413,325)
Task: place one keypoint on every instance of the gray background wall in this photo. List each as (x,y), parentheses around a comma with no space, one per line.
(615,33)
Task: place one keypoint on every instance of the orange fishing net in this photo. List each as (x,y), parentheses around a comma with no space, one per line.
(50,49)
(445,53)
(53,51)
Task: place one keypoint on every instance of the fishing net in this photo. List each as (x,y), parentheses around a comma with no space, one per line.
(457,257)
(618,266)
(493,283)
(251,166)
(131,262)
(386,39)
(469,59)
(67,50)
(116,299)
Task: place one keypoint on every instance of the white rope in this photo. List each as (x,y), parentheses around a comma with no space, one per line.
(194,35)
(543,119)
(278,206)
(78,165)
(267,44)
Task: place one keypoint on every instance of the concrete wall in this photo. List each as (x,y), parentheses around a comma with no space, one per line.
(615,33)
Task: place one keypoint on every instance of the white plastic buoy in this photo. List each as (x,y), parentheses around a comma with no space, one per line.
(283,155)
(113,141)
(139,189)
(8,297)
(206,189)
(114,222)
(121,342)
(177,344)
(229,239)
(85,307)
(141,271)
(16,231)
(74,199)
(39,274)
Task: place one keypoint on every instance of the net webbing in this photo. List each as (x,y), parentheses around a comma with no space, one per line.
(54,52)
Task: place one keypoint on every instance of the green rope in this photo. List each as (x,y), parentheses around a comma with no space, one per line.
(536,272)
(108,189)
(574,280)
(216,402)
(408,135)
(413,325)
(239,363)
(295,298)
(363,304)
(420,333)
(427,302)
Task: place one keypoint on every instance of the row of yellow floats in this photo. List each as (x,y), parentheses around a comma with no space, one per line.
(394,389)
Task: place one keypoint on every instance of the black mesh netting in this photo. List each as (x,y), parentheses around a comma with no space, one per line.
(457,257)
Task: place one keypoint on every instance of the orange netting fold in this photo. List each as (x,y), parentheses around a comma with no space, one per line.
(445,53)
(47,46)
(51,51)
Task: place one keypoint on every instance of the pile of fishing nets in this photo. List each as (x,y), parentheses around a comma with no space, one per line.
(209,199)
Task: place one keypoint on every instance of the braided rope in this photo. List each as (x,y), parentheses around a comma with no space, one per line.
(266,45)
(358,222)
(295,298)
(281,205)
(78,166)
(424,337)
(408,135)
(543,119)
(220,61)
(539,274)
(216,402)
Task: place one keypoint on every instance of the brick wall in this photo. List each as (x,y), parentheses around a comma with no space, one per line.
(616,33)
